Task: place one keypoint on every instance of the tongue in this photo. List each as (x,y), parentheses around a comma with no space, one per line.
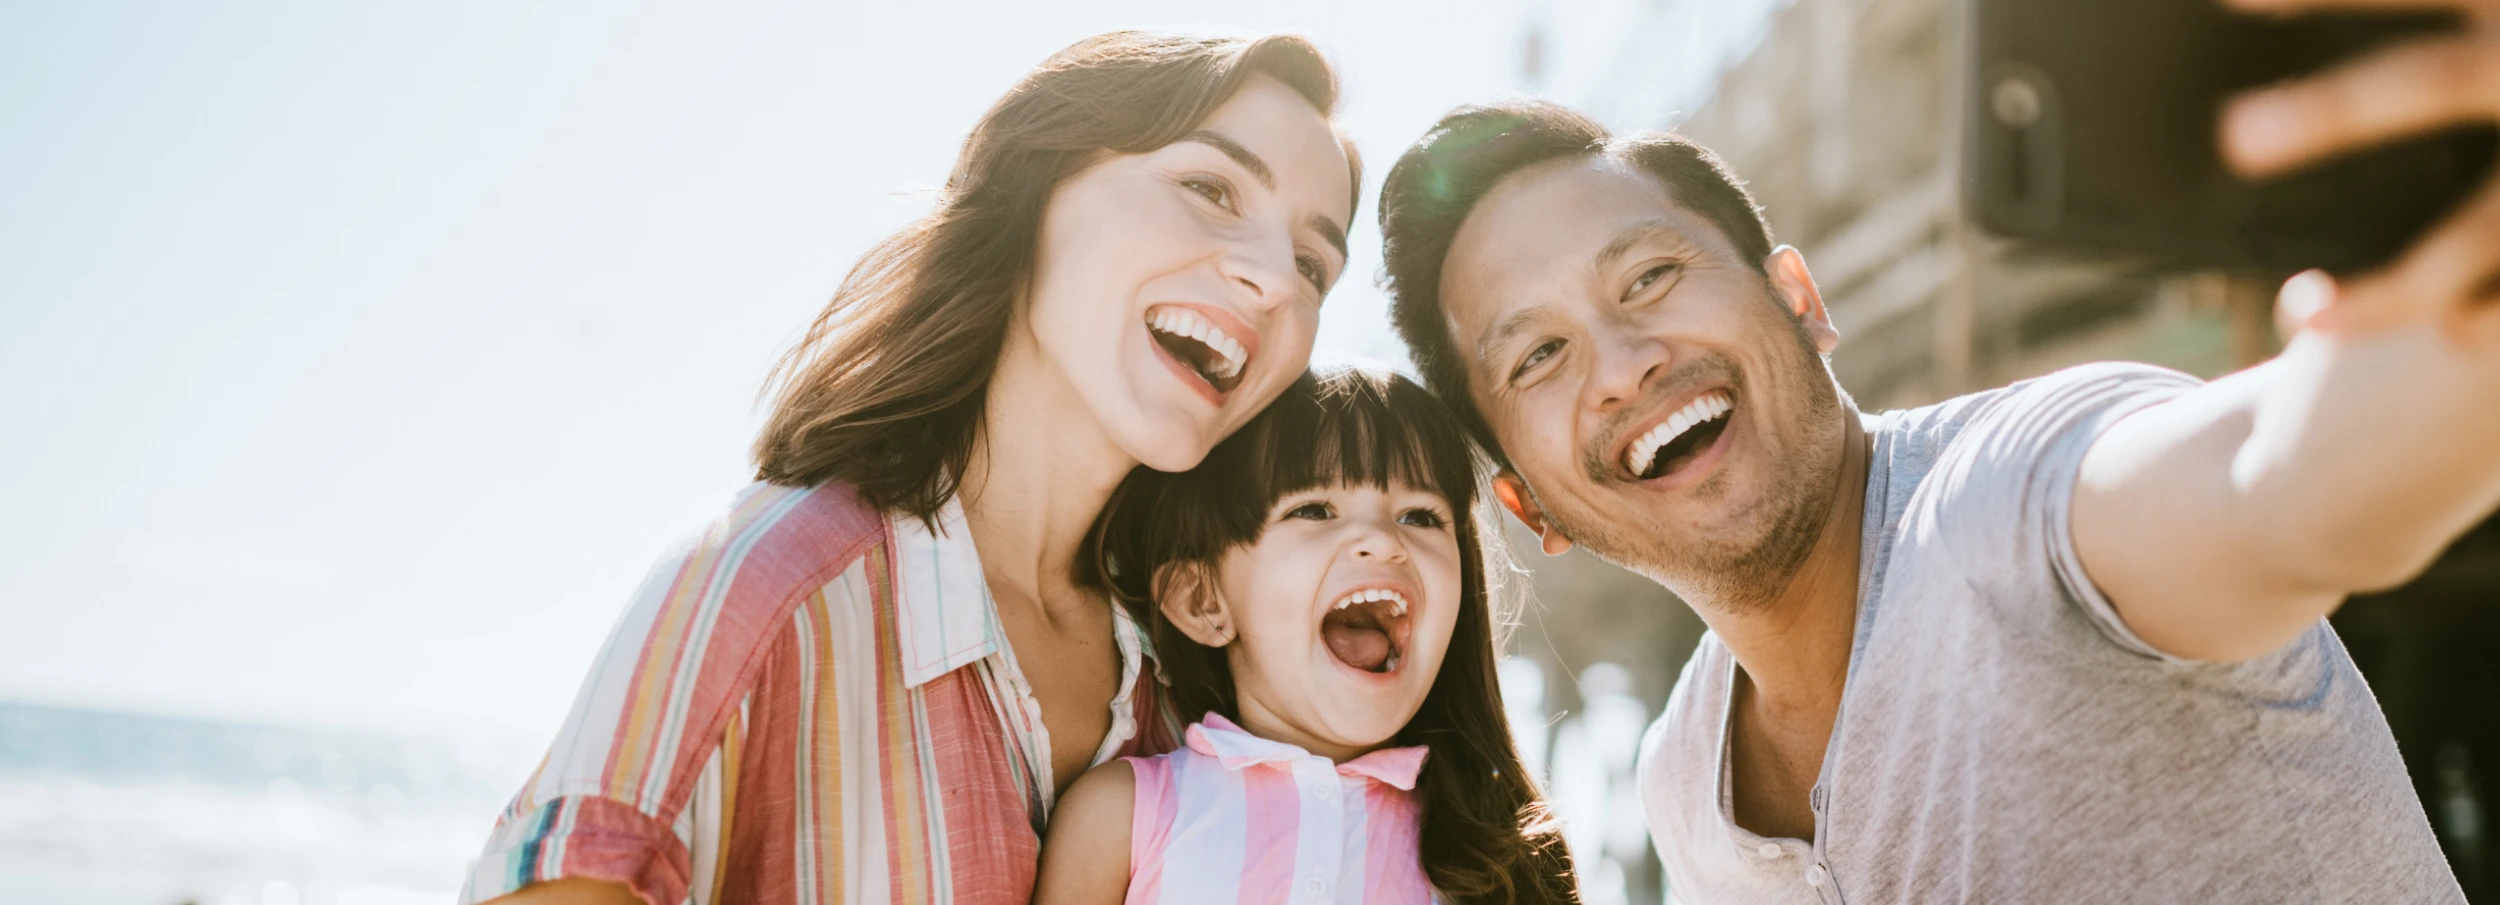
(1363,647)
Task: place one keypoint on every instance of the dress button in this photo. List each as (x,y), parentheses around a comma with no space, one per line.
(1816,876)
(1327,789)
(1769,850)
(1315,888)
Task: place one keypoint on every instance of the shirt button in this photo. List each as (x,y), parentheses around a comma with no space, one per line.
(1769,850)
(1315,888)
(1327,790)
(1816,876)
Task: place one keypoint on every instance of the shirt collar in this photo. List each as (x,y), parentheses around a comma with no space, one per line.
(1236,748)
(944,616)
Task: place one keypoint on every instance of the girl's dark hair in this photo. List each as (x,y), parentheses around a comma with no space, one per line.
(885,392)
(1486,835)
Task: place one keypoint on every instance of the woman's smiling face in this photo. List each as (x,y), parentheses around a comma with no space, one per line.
(1177,291)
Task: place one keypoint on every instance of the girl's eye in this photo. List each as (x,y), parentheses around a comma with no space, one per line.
(1649,278)
(1212,189)
(1318,512)
(1423,518)
(1536,356)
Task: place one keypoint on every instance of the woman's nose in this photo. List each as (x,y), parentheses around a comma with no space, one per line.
(1262,269)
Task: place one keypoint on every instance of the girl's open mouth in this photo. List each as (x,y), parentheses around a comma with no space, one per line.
(1367,630)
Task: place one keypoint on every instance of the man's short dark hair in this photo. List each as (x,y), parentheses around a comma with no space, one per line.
(1469,152)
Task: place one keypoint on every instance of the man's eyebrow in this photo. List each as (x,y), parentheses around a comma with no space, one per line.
(1248,159)
(1632,236)
(1518,322)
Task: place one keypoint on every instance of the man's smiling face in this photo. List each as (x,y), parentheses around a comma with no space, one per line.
(1664,398)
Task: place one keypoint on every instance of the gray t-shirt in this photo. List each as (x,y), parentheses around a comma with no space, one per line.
(2003,736)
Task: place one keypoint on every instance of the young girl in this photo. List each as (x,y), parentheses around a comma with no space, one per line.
(1319,606)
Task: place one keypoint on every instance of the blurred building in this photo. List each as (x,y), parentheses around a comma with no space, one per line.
(1842,117)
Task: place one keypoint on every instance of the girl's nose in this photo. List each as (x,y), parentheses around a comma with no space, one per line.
(1380,544)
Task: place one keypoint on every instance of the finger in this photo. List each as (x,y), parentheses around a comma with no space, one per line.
(2400,91)
(2301,298)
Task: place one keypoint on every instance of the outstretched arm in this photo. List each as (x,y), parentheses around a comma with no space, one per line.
(2226,522)
(1085,856)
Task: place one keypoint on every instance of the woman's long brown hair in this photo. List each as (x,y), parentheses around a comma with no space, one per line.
(1486,835)
(886,391)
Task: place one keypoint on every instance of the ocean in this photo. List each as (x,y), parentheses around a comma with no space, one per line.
(108,808)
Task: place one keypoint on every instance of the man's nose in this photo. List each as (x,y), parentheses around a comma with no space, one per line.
(1624,362)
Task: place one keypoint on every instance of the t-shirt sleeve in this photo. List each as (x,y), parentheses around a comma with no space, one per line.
(2004,487)
(634,787)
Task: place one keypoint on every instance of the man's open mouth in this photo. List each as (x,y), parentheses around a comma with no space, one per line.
(1197,343)
(1683,437)
(1366,630)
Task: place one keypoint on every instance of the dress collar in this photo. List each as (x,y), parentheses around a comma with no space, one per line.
(943,614)
(1235,748)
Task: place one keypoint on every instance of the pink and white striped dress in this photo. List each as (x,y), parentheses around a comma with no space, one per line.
(1235,819)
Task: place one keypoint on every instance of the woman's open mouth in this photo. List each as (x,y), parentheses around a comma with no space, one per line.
(1213,354)
(1367,630)
(1682,438)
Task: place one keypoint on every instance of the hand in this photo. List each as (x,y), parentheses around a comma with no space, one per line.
(2449,277)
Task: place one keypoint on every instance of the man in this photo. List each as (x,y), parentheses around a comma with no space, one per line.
(2057,642)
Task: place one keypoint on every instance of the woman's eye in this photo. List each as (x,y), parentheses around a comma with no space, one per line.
(1423,518)
(1214,190)
(1318,512)
(1536,356)
(1312,270)
(1650,278)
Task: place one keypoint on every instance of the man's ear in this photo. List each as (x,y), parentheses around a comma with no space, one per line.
(1787,269)
(1515,497)
(1187,595)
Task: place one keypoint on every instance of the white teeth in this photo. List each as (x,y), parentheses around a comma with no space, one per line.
(1644,451)
(1230,355)
(1397,602)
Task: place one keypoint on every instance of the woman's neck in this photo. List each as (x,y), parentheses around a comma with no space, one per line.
(1040,471)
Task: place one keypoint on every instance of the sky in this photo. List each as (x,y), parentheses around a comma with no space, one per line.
(357,360)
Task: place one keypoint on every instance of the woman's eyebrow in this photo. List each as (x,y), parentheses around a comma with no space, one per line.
(1248,159)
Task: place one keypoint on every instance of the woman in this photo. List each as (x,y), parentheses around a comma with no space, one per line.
(870,680)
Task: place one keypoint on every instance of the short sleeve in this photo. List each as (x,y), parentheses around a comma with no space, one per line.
(2002,493)
(631,789)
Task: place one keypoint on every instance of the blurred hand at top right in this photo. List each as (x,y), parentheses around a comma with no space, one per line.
(2451,275)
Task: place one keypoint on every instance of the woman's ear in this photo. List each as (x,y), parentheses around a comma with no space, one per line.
(1187,595)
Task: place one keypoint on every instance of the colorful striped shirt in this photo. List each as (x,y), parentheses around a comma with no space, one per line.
(1235,818)
(812,702)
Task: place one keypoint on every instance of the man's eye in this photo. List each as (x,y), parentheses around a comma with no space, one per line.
(1536,356)
(1423,518)
(1212,189)
(1650,278)
(1318,512)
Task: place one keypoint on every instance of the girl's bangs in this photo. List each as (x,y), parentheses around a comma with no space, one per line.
(1361,428)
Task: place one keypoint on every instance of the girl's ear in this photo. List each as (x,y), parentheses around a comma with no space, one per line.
(1187,595)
